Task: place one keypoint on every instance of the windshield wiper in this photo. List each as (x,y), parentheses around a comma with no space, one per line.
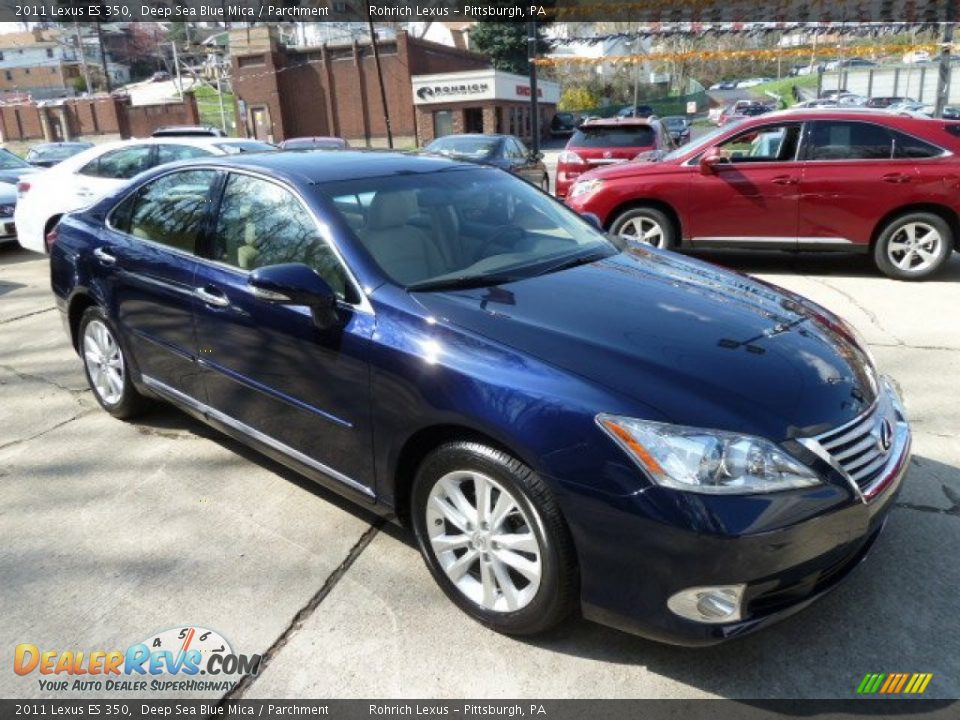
(462,282)
(574,261)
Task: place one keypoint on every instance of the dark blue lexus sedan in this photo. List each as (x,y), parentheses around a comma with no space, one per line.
(566,423)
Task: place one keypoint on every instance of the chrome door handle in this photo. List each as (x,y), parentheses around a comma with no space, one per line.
(896,178)
(216,299)
(105,256)
(784,180)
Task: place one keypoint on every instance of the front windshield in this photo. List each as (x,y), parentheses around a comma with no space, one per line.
(475,148)
(463,227)
(55,153)
(700,143)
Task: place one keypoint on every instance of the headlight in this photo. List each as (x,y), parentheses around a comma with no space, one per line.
(706,461)
(7,209)
(585,187)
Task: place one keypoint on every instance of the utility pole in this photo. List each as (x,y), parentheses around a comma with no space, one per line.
(83,58)
(223,112)
(636,74)
(943,79)
(534,100)
(383,90)
(176,67)
(103,59)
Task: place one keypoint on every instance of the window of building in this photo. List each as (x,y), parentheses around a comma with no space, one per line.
(8,75)
(442,123)
(49,52)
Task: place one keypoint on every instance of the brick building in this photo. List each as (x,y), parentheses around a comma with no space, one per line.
(333,90)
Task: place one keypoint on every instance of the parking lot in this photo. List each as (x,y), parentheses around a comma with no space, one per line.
(114,531)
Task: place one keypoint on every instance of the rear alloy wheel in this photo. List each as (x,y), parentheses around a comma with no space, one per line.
(493,538)
(645,225)
(914,246)
(106,367)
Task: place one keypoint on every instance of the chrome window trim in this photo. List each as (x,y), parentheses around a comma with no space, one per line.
(255,434)
(363,305)
(944,152)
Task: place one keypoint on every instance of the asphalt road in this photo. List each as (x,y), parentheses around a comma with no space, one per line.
(112,531)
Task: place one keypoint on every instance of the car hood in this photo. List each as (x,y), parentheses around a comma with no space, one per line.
(690,342)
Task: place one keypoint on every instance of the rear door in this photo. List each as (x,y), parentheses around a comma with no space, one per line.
(150,255)
(751,199)
(269,372)
(852,175)
(109,171)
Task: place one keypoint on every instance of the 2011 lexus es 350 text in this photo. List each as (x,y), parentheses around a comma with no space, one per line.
(567,424)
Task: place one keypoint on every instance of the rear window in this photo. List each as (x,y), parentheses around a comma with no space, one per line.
(614,136)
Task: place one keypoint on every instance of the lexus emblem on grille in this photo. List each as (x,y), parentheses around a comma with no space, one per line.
(884,435)
(608,154)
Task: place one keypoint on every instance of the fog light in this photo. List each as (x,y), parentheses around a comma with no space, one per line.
(717,604)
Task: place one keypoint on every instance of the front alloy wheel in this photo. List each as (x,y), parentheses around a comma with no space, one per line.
(493,538)
(484,541)
(646,225)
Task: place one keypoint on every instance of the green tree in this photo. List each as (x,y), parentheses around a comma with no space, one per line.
(578,98)
(505,43)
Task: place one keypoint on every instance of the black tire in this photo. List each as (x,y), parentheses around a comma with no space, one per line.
(626,222)
(559,580)
(545,184)
(128,403)
(896,234)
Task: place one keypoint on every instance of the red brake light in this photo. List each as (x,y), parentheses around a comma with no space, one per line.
(22,187)
(51,238)
(568,157)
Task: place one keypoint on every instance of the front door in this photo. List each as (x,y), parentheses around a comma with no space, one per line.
(268,370)
(150,247)
(751,199)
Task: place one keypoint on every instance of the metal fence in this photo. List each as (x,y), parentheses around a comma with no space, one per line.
(917,81)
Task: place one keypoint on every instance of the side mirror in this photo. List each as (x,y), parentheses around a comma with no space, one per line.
(296,284)
(711,161)
(535,156)
(593,220)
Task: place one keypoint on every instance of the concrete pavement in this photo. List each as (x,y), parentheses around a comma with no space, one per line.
(113,531)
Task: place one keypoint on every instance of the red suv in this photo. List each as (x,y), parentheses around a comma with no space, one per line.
(597,143)
(810,180)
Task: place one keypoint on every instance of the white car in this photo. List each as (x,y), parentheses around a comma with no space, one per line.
(8,201)
(79,181)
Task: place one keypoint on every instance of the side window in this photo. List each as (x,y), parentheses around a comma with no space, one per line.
(520,149)
(172,153)
(121,164)
(905,146)
(836,140)
(768,143)
(261,223)
(170,210)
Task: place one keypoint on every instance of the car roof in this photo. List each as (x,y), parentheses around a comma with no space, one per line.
(319,166)
(456,136)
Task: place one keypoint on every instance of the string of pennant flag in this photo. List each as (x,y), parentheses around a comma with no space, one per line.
(707,55)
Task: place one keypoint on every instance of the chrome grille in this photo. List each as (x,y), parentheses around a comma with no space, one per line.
(856,446)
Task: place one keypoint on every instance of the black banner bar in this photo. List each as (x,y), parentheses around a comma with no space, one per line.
(648,11)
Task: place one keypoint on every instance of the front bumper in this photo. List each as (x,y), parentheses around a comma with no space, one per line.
(789,548)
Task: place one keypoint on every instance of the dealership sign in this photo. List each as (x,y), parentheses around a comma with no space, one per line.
(478,85)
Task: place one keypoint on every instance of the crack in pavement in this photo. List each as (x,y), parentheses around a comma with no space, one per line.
(240,689)
(952,496)
(29,314)
(76,392)
(50,429)
(872,316)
